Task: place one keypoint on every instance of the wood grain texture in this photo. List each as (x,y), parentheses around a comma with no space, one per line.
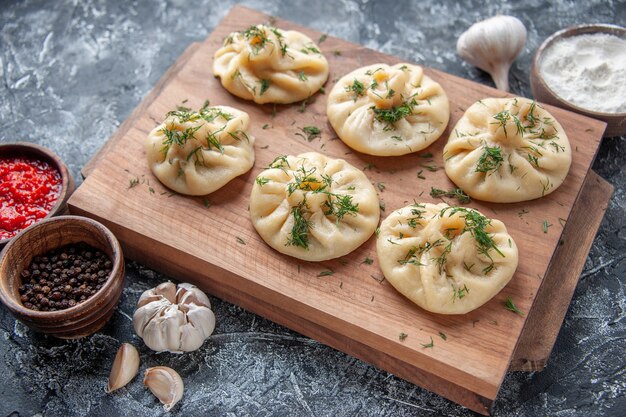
(554,296)
(180,235)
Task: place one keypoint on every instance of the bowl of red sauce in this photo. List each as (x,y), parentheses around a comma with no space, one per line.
(34,184)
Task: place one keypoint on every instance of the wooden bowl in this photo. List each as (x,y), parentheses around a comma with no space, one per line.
(616,122)
(86,317)
(39,152)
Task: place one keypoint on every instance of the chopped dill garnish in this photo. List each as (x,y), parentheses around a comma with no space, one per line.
(402,336)
(502,119)
(509,305)
(357,88)
(546,186)
(490,160)
(177,137)
(322,38)
(475,224)
(265,85)
(326,273)
(443,258)
(381,186)
(431,168)
(299,235)
(306,181)
(454,193)
(309,133)
(262,180)
(531,117)
(419,174)
(394,114)
(368,261)
(279,162)
(378,279)
(460,292)
(310,48)
(370,166)
(428,345)
(281,44)
(426,155)
(211,113)
(265,126)
(415,251)
(213,141)
(257,38)
(302,76)
(240,241)
(544,226)
(443,336)
(133,182)
(339,205)
(302,107)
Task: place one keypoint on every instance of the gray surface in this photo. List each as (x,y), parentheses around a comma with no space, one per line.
(71,72)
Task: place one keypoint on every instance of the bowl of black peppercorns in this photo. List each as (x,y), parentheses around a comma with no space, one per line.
(62,276)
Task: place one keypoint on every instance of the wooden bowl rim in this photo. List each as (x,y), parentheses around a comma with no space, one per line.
(32,149)
(568,33)
(117,274)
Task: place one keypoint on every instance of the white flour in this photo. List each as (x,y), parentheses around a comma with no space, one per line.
(589,71)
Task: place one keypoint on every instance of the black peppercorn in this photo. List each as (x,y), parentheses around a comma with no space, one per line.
(63,277)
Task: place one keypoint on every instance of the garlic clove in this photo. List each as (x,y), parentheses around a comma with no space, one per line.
(202,319)
(188,293)
(162,333)
(165,384)
(200,326)
(147,300)
(492,45)
(125,367)
(167,290)
(143,315)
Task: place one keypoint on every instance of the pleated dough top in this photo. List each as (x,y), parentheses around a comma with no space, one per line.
(269,65)
(388,110)
(313,207)
(196,153)
(447,260)
(506,150)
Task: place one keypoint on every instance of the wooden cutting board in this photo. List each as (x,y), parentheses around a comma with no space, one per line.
(354,309)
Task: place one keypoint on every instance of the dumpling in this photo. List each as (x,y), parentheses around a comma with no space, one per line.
(268,65)
(196,153)
(312,207)
(448,260)
(506,150)
(388,110)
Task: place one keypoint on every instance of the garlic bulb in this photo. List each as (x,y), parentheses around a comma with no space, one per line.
(492,45)
(174,319)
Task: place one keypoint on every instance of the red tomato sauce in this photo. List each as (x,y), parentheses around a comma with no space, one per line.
(29,189)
